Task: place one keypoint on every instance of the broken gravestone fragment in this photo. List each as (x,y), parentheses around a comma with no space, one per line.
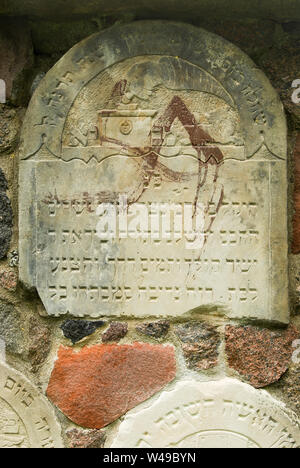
(152,176)
(26,418)
(219,414)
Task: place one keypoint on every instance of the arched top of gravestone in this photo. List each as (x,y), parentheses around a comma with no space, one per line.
(232,76)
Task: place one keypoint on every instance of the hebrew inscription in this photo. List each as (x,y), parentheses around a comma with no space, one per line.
(222,414)
(155,175)
(26,419)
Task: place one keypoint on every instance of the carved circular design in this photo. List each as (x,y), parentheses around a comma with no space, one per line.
(26,418)
(126,127)
(12,430)
(220,439)
(220,414)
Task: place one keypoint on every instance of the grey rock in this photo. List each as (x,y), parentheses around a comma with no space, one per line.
(10,329)
(200,344)
(157,329)
(6,217)
(9,128)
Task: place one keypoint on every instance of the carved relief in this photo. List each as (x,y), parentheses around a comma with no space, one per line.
(12,431)
(221,414)
(155,186)
(26,419)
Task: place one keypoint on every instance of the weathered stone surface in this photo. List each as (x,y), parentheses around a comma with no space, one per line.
(281,64)
(8,280)
(239,30)
(196,128)
(59,36)
(39,343)
(222,414)
(96,385)
(261,356)
(200,344)
(11,329)
(26,418)
(289,385)
(273,46)
(36,81)
(86,439)
(296,218)
(9,128)
(6,217)
(76,330)
(115,332)
(157,329)
(3,182)
(15,53)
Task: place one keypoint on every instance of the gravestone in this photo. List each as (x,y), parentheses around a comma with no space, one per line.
(220,414)
(26,419)
(153,179)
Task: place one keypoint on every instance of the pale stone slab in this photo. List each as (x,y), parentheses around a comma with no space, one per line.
(26,418)
(155,113)
(220,414)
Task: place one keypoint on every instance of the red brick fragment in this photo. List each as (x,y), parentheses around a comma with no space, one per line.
(97,385)
(262,356)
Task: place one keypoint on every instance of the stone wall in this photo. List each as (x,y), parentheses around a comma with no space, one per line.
(155,351)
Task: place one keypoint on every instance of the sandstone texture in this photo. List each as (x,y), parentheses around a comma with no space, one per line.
(97,385)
